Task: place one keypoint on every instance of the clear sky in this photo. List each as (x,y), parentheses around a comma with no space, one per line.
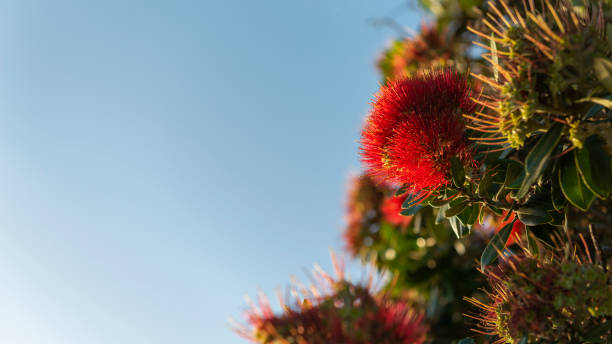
(161,159)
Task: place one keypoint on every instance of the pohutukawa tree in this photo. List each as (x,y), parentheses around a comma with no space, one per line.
(485,196)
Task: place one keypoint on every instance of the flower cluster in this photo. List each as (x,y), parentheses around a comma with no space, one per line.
(337,311)
(547,298)
(369,205)
(542,62)
(430,48)
(416,127)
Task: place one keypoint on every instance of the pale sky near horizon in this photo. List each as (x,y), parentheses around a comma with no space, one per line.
(161,159)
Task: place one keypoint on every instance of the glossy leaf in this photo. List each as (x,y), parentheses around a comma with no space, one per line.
(571,184)
(593,163)
(440,216)
(402,190)
(412,200)
(537,159)
(472,215)
(484,186)
(558,199)
(495,245)
(456,207)
(515,173)
(458,172)
(412,210)
(594,110)
(458,228)
(605,102)
(533,215)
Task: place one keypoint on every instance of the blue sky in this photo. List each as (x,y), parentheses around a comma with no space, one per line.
(161,159)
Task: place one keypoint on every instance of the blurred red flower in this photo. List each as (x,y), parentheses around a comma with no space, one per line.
(335,311)
(391,208)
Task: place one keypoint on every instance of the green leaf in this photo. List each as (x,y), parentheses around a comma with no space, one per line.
(603,72)
(440,216)
(437,203)
(457,207)
(412,200)
(533,215)
(402,190)
(593,163)
(473,215)
(601,101)
(412,210)
(496,244)
(523,340)
(557,197)
(537,159)
(459,229)
(571,184)
(596,108)
(495,210)
(485,184)
(515,173)
(513,178)
(458,172)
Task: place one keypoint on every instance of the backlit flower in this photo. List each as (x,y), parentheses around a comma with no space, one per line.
(335,311)
(414,129)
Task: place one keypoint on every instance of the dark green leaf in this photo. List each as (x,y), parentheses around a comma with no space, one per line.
(515,173)
(495,210)
(571,184)
(533,215)
(458,172)
(402,190)
(557,218)
(485,184)
(593,163)
(603,72)
(456,208)
(439,202)
(412,200)
(558,199)
(537,159)
(594,110)
(495,245)
(473,215)
(412,210)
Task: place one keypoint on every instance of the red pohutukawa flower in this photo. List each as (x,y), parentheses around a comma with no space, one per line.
(391,208)
(415,127)
(336,311)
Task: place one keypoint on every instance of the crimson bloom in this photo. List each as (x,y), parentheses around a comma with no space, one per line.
(336,311)
(391,208)
(415,127)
